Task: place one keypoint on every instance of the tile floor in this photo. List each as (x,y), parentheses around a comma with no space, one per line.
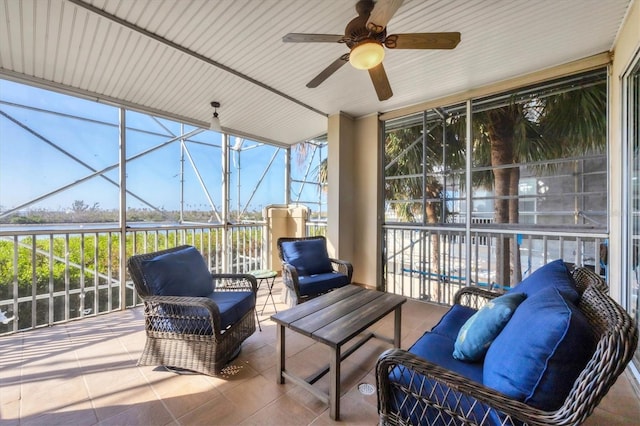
(85,373)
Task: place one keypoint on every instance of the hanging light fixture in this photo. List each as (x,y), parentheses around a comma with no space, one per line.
(215,121)
(366,55)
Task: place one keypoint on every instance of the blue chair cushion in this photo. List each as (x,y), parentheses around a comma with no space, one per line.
(553,274)
(479,331)
(179,273)
(232,305)
(451,322)
(541,351)
(309,257)
(313,285)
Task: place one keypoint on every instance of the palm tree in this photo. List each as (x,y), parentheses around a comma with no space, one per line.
(546,127)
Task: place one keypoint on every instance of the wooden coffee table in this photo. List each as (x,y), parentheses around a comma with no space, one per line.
(334,319)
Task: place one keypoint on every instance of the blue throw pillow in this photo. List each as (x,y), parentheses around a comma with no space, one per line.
(309,257)
(553,274)
(179,273)
(477,333)
(541,351)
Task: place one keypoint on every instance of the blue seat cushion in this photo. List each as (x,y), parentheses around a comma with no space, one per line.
(436,348)
(451,322)
(179,273)
(313,285)
(479,331)
(553,274)
(233,305)
(541,351)
(309,257)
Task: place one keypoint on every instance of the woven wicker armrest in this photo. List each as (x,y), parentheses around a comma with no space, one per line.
(474,297)
(234,282)
(451,395)
(343,266)
(180,308)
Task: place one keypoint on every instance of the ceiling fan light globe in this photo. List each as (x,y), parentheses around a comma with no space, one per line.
(366,55)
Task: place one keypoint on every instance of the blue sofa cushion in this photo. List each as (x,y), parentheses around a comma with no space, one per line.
(312,285)
(541,351)
(436,348)
(451,322)
(309,257)
(553,274)
(232,305)
(479,331)
(179,273)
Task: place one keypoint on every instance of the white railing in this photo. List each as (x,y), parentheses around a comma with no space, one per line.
(313,228)
(432,263)
(54,276)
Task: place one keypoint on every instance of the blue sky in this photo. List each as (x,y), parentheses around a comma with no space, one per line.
(41,152)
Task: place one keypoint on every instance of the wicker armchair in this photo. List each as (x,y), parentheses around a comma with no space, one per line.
(458,400)
(200,334)
(307,270)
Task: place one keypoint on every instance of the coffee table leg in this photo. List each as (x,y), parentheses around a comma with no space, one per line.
(280,355)
(334,384)
(396,326)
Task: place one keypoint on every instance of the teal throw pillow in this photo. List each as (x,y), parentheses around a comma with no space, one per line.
(477,333)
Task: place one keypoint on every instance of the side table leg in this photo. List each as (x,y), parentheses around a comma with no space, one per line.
(334,384)
(270,283)
(273,282)
(280,355)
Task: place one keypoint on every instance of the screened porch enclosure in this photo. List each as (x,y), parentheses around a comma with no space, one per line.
(486,201)
(65,241)
(84,185)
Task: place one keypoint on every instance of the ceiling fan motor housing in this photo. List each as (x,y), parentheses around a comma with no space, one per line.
(356,32)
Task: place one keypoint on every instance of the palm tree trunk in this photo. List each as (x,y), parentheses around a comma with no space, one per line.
(514,217)
(501,135)
(434,257)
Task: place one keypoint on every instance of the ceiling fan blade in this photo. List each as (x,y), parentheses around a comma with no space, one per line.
(326,73)
(380,82)
(422,41)
(381,14)
(311,38)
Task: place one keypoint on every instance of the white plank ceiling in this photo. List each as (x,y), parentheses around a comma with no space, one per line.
(173,57)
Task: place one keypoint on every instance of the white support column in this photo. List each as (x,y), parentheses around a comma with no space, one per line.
(226,261)
(354,196)
(182,149)
(122,147)
(287,176)
(341,188)
(468,198)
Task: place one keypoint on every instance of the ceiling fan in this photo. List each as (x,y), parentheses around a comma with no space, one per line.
(366,35)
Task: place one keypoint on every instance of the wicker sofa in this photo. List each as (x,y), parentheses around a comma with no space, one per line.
(427,385)
(194,320)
